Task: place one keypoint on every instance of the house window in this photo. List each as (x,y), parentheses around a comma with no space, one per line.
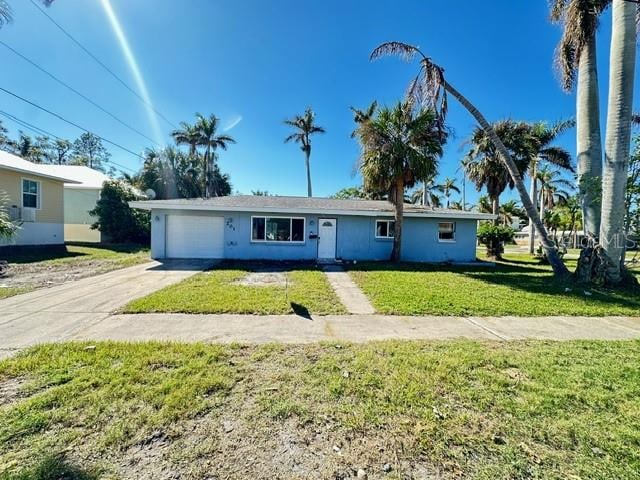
(447,231)
(277,229)
(385,228)
(30,193)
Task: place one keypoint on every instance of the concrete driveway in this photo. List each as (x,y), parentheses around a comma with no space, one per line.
(57,313)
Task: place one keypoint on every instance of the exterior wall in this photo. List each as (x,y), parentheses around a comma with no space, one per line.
(355,239)
(77,205)
(51,195)
(31,233)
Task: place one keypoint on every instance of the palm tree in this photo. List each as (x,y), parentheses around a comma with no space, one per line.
(448,186)
(428,194)
(483,165)
(209,139)
(187,134)
(552,188)
(361,116)
(618,132)
(509,211)
(5,13)
(304,129)
(431,88)
(576,59)
(399,148)
(542,136)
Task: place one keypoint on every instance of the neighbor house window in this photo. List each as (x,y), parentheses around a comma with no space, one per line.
(385,228)
(30,193)
(447,231)
(277,229)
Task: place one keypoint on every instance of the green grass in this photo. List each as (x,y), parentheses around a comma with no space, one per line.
(481,410)
(71,254)
(216,291)
(517,286)
(6,292)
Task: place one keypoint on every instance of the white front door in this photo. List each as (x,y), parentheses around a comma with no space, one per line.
(327,238)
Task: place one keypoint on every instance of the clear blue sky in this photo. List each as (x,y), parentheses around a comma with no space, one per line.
(263,61)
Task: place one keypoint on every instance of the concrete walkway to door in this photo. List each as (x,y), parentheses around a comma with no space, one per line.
(348,292)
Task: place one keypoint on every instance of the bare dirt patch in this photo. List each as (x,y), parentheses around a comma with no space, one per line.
(44,274)
(263,279)
(11,390)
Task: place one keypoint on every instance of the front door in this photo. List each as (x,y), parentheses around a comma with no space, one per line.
(327,238)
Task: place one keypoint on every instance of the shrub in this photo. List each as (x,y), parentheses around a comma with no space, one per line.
(494,237)
(116,219)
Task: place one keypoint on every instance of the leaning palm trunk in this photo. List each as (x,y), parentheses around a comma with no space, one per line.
(588,139)
(533,194)
(398,193)
(618,136)
(559,268)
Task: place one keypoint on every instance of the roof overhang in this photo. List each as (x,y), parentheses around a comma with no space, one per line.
(151,205)
(34,173)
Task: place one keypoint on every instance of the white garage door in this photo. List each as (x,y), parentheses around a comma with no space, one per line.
(194,236)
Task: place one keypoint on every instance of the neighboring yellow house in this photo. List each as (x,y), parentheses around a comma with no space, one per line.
(35,200)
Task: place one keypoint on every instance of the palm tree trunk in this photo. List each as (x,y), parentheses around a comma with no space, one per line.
(398,212)
(495,208)
(207,193)
(307,154)
(618,134)
(533,194)
(559,268)
(424,194)
(588,139)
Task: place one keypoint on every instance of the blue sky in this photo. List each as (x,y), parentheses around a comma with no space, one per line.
(255,63)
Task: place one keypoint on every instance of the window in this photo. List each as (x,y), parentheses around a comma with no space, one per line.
(30,193)
(277,229)
(385,228)
(447,231)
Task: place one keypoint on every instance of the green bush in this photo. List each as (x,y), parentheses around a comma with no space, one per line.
(116,219)
(494,237)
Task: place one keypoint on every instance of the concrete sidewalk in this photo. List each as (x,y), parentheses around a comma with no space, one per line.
(353,328)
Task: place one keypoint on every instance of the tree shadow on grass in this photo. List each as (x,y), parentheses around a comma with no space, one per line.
(52,467)
(301,310)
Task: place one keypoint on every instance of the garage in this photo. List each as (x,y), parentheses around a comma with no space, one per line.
(194,236)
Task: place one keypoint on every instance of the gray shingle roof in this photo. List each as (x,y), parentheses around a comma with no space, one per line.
(302,204)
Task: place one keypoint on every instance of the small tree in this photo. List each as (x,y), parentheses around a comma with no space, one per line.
(88,150)
(116,219)
(494,237)
(8,228)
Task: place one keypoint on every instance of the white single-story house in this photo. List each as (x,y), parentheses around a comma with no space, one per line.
(248,227)
(80,197)
(35,199)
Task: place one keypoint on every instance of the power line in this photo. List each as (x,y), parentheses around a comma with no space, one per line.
(51,75)
(41,131)
(70,122)
(99,62)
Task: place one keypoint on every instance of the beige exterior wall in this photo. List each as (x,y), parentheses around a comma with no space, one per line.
(51,195)
(75,232)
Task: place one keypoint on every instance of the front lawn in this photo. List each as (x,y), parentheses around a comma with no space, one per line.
(482,410)
(35,267)
(302,290)
(517,286)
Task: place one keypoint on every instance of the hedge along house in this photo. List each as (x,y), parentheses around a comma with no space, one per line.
(302,228)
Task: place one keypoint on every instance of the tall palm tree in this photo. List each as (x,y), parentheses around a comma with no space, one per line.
(542,136)
(399,148)
(188,134)
(305,127)
(509,211)
(618,133)
(428,194)
(553,188)
(209,139)
(431,88)
(577,62)
(449,186)
(6,15)
(484,166)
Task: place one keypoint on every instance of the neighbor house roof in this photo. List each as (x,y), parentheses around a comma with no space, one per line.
(8,161)
(313,205)
(84,177)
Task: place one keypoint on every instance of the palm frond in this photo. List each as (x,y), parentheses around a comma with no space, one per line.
(405,51)
(6,14)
